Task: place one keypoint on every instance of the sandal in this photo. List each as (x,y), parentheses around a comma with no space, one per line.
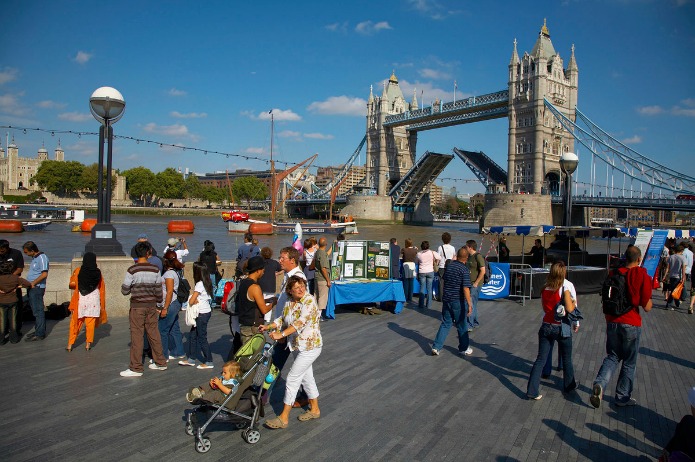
(308,415)
(275,423)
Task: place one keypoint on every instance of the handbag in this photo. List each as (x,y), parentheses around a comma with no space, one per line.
(191,315)
(678,291)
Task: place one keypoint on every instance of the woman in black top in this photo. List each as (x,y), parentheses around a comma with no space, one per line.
(209,258)
(250,303)
(272,267)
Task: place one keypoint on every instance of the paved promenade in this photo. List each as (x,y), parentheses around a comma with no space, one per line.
(383,397)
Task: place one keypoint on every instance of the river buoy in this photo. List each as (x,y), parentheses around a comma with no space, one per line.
(261,228)
(88,224)
(180,227)
(11,226)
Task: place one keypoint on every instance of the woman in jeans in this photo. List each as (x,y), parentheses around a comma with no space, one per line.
(198,337)
(409,255)
(169,330)
(426,259)
(557,291)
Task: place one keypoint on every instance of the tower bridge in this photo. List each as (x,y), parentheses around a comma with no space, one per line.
(540,103)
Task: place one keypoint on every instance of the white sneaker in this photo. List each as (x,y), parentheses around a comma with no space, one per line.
(468,352)
(157,368)
(186,362)
(152,360)
(435,352)
(205,366)
(130,373)
(176,357)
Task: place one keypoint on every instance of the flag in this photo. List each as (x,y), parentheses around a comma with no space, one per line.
(455,86)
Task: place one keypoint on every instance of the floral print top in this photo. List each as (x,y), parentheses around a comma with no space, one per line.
(305,317)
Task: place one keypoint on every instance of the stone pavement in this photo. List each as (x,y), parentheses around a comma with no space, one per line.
(383,397)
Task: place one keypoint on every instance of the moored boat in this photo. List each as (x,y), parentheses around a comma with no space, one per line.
(311,228)
(36,225)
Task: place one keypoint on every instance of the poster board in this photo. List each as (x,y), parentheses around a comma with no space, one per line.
(642,242)
(361,260)
(653,256)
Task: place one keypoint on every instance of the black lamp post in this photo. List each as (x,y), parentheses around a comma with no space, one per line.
(107,106)
(568,164)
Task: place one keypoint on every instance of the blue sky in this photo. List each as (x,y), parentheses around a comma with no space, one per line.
(205,74)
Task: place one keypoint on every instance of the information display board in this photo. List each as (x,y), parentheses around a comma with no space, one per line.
(361,260)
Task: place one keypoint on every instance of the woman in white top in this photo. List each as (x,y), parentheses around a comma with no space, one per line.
(300,322)
(198,336)
(169,330)
(426,259)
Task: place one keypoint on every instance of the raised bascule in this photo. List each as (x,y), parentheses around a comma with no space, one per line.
(540,103)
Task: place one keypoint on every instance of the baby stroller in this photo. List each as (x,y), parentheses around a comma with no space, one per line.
(244,406)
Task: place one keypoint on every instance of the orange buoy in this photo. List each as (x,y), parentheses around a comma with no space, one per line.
(261,228)
(11,226)
(181,227)
(88,224)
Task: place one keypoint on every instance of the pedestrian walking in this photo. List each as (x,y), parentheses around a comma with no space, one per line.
(37,275)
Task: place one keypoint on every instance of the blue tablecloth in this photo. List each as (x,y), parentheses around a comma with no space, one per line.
(342,293)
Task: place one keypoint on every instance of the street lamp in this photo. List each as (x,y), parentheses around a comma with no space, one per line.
(568,164)
(107,106)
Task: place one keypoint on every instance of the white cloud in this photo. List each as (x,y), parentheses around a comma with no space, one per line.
(689,102)
(431,8)
(11,104)
(318,136)
(82,57)
(279,115)
(176,92)
(650,110)
(188,115)
(75,116)
(340,105)
(337,27)
(254,150)
(82,149)
(289,134)
(632,140)
(48,104)
(434,74)
(427,92)
(370,28)
(176,130)
(680,111)
(8,74)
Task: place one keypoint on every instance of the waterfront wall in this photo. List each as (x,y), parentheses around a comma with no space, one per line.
(368,207)
(508,209)
(113,271)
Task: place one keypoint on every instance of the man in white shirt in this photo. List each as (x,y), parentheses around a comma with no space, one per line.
(173,246)
(446,252)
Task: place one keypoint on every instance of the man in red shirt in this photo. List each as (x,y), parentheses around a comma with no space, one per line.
(623,334)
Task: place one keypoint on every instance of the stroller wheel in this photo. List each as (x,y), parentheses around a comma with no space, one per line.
(240,425)
(190,431)
(203,445)
(251,436)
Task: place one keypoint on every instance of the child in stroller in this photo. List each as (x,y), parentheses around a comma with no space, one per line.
(218,388)
(240,396)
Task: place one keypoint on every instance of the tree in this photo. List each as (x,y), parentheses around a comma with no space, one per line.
(141,184)
(59,177)
(479,209)
(192,189)
(215,195)
(170,184)
(249,188)
(90,178)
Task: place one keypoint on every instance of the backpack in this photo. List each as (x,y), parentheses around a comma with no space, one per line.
(614,294)
(184,291)
(486,276)
(230,298)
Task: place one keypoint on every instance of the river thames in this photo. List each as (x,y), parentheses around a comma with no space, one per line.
(61,244)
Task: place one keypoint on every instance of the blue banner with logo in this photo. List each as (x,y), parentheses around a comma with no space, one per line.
(653,256)
(498,285)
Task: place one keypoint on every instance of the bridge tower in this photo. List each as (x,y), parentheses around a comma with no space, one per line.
(390,150)
(536,138)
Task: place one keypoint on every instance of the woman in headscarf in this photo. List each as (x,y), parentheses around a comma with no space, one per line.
(88,302)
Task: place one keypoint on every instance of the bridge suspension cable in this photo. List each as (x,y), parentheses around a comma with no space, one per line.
(623,158)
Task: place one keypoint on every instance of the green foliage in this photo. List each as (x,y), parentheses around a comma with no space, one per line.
(170,184)
(479,209)
(59,177)
(192,189)
(215,195)
(249,188)
(140,183)
(90,178)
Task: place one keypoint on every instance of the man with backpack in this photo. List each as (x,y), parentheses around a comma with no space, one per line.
(447,252)
(476,266)
(623,293)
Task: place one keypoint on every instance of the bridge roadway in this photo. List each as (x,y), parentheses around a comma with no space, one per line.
(383,397)
(630,203)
